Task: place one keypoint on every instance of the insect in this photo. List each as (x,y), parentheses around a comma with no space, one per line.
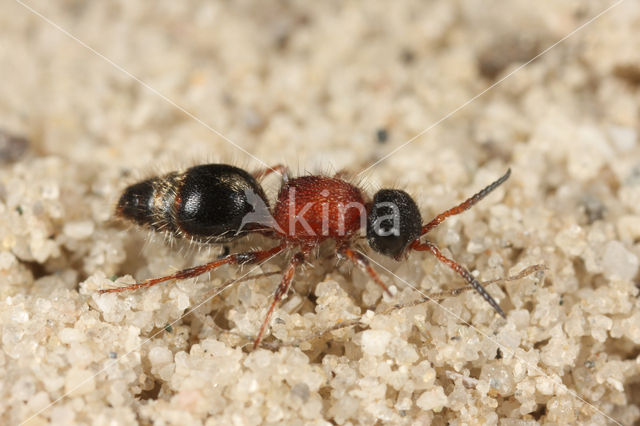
(217,203)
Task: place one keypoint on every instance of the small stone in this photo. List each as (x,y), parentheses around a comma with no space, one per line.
(159,356)
(7,260)
(545,385)
(590,155)
(50,191)
(476,245)
(19,315)
(374,342)
(499,377)
(618,262)
(629,227)
(600,325)
(79,230)
(23,388)
(571,240)
(382,135)
(12,147)
(79,382)
(70,335)
(434,399)
(629,327)
(62,415)
(39,401)
(301,390)
(624,138)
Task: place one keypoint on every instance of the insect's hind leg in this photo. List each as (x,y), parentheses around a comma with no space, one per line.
(246,258)
(282,289)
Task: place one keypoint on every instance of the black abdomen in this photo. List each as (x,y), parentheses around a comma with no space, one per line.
(207,202)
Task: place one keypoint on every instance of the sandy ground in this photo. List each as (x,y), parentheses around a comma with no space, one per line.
(95,95)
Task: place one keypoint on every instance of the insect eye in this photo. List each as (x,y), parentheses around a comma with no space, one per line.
(393,222)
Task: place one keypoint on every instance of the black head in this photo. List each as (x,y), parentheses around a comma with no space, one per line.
(393,222)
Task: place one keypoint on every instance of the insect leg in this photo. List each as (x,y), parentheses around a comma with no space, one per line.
(246,258)
(363,263)
(428,246)
(282,289)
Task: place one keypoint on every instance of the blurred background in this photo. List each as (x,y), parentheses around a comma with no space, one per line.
(440,97)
